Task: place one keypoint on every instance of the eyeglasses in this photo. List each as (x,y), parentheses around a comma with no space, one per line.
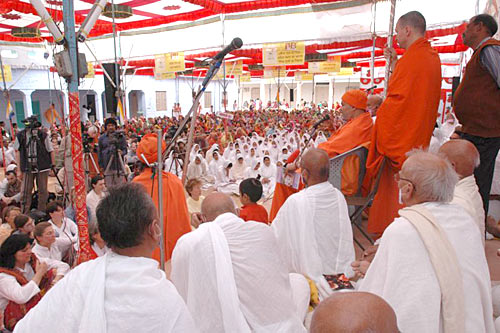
(397,178)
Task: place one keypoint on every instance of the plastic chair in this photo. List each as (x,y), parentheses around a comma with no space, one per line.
(359,202)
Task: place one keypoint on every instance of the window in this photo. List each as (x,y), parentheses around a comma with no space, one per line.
(161,101)
(9,54)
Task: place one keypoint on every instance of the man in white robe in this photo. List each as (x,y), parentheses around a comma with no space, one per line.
(464,158)
(313,228)
(122,291)
(232,278)
(430,265)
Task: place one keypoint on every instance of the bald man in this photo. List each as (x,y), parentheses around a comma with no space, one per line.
(313,228)
(372,104)
(354,312)
(412,97)
(430,265)
(464,158)
(232,278)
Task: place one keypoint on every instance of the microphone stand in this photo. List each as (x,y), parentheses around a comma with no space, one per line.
(214,68)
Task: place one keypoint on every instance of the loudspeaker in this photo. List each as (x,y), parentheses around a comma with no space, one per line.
(291,96)
(109,90)
(454,85)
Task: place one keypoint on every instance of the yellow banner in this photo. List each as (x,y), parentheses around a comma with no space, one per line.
(302,76)
(272,72)
(234,67)
(330,66)
(291,53)
(245,78)
(164,76)
(7,72)
(90,70)
(346,71)
(169,62)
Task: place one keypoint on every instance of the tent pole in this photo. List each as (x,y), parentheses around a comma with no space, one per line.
(374,38)
(159,173)
(84,252)
(389,45)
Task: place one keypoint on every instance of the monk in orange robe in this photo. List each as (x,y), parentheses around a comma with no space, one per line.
(175,212)
(356,132)
(406,118)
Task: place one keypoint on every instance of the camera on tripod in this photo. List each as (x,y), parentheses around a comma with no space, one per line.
(32,122)
(115,138)
(87,143)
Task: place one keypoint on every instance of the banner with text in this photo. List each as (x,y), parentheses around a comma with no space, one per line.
(330,66)
(169,62)
(290,53)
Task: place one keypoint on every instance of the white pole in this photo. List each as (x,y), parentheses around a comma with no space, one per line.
(159,174)
(389,45)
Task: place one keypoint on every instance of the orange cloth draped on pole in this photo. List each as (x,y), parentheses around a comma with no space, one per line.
(405,121)
(353,134)
(175,212)
(51,115)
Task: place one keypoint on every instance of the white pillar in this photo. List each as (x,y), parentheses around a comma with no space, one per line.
(28,109)
(299,92)
(99,109)
(331,87)
(262,92)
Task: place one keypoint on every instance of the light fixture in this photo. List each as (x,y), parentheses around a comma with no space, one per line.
(49,22)
(121,11)
(90,20)
(25,32)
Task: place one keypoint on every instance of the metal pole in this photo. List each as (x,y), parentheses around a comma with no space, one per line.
(159,173)
(190,143)
(7,97)
(388,65)
(118,87)
(374,38)
(84,253)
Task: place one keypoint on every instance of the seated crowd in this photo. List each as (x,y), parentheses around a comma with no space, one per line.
(219,261)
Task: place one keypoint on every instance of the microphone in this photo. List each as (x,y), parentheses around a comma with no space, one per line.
(217,60)
(325,118)
(234,45)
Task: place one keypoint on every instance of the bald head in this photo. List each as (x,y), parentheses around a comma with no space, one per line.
(216,204)
(354,312)
(462,155)
(415,20)
(317,165)
(373,103)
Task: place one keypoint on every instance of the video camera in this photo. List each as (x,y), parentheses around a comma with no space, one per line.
(32,122)
(115,138)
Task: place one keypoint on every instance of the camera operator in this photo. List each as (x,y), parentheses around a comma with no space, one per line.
(112,145)
(35,156)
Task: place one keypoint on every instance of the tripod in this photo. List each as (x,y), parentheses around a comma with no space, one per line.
(113,177)
(32,172)
(88,157)
(176,164)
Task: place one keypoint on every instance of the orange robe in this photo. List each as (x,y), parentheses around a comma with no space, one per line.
(282,192)
(254,212)
(405,121)
(353,134)
(175,212)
